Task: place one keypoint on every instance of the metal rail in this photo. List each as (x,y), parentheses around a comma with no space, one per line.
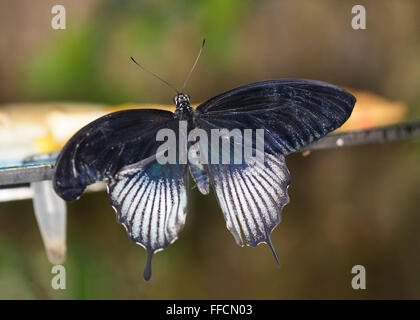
(401,131)
(29,172)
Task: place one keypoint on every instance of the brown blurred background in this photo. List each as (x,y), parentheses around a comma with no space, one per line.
(349,206)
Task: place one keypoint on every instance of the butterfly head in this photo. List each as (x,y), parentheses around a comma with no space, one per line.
(182,101)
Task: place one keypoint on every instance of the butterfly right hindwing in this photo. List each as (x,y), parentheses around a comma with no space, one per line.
(292,113)
(251,197)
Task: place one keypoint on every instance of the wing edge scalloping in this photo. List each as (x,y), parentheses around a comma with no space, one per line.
(180,211)
(238,233)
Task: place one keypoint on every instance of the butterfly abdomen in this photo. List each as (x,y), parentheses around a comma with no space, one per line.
(201,178)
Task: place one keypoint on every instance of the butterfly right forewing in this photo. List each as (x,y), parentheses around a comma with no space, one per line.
(293,113)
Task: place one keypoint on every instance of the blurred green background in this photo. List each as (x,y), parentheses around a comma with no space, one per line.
(351,206)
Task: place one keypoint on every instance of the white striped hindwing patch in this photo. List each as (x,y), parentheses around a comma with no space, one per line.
(251,197)
(151,203)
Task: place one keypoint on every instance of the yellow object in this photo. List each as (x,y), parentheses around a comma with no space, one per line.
(373,111)
(28,128)
(46,143)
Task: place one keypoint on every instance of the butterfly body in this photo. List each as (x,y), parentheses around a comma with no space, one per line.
(150,197)
(183,110)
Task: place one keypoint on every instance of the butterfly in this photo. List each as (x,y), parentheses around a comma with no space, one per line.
(150,198)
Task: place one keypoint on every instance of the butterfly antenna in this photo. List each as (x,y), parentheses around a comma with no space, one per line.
(193,67)
(155,75)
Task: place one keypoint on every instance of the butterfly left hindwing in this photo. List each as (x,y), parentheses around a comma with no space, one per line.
(150,200)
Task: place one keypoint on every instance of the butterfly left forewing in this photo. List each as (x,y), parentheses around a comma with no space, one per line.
(101,148)
(150,198)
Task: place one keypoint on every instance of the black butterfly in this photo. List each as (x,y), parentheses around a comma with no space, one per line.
(150,198)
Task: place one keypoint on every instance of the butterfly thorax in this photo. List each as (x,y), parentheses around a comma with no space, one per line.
(183,111)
